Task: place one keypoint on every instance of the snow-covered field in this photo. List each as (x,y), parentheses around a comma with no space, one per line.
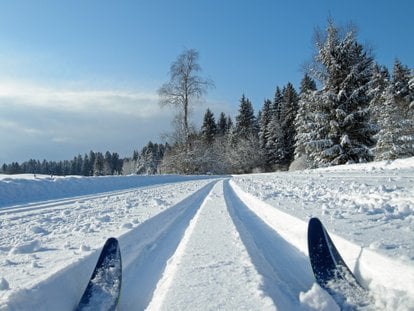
(205,242)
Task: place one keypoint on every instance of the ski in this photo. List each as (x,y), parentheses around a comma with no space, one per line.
(331,271)
(104,287)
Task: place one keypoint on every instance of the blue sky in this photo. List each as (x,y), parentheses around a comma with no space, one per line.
(80,75)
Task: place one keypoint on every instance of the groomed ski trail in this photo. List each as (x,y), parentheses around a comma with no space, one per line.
(211,267)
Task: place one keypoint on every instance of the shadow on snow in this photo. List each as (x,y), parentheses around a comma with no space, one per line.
(285,270)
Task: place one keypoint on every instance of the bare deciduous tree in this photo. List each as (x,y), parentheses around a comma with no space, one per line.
(185,85)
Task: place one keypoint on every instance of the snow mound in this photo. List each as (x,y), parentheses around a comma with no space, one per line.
(318,299)
(21,189)
(26,247)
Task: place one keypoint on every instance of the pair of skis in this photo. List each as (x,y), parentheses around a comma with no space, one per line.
(331,273)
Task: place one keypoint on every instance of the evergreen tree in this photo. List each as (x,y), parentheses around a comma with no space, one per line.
(396,137)
(287,117)
(345,131)
(245,120)
(380,81)
(98,166)
(92,159)
(275,147)
(229,124)
(86,166)
(277,104)
(304,120)
(307,84)
(264,123)
(209,128)
(222,125)
(273,136)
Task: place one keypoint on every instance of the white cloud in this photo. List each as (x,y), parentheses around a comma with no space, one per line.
(139,104)
(55,123)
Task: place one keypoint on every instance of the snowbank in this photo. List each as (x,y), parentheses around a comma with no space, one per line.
(21,189)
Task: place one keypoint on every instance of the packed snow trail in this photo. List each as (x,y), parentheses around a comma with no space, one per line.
(285,270)
(147,249)
(211,269)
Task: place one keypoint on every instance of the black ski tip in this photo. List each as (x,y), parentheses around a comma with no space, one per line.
(315,230)
(111,241)
(314,221)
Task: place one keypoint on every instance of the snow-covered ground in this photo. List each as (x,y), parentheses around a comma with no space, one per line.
(208,243)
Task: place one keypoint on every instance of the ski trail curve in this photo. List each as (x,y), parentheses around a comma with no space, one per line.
(285,270)
(211,269)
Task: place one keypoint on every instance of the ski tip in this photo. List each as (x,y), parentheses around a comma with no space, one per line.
(314,222)
(112,240)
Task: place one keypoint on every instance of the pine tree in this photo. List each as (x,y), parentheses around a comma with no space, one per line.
(98,166)
(277,103)
(307,84)
(92,159)
(229,125)
(380,81)
(264,123)
(344,128)
(244,153)
(245,120)
(396,137)
(275,148)
(304,121)
(209,128)
(222,124)
(85,163)
(274,136)
(287,117)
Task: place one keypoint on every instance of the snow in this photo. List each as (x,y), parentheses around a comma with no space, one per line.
(208,242)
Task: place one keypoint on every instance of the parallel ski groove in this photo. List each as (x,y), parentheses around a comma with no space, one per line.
(148,248)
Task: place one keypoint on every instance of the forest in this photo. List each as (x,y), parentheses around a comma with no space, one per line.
(348,109)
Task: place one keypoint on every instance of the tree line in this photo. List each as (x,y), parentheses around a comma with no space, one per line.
(92,164)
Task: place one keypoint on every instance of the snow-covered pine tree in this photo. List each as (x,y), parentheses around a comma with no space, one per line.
(245,120)
(277,103)
(222,124)
(272,140)
(378,86)
(264,123)
(396,137)
(304,122)
(244,152)
(98,166)
(287,117)
(343,124)
(275,149)
(209,128)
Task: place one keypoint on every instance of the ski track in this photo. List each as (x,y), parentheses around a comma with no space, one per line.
(147,249)
(211,267)
(272,255)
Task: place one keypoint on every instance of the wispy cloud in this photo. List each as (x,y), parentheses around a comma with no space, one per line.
(57,123)
(139,104)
